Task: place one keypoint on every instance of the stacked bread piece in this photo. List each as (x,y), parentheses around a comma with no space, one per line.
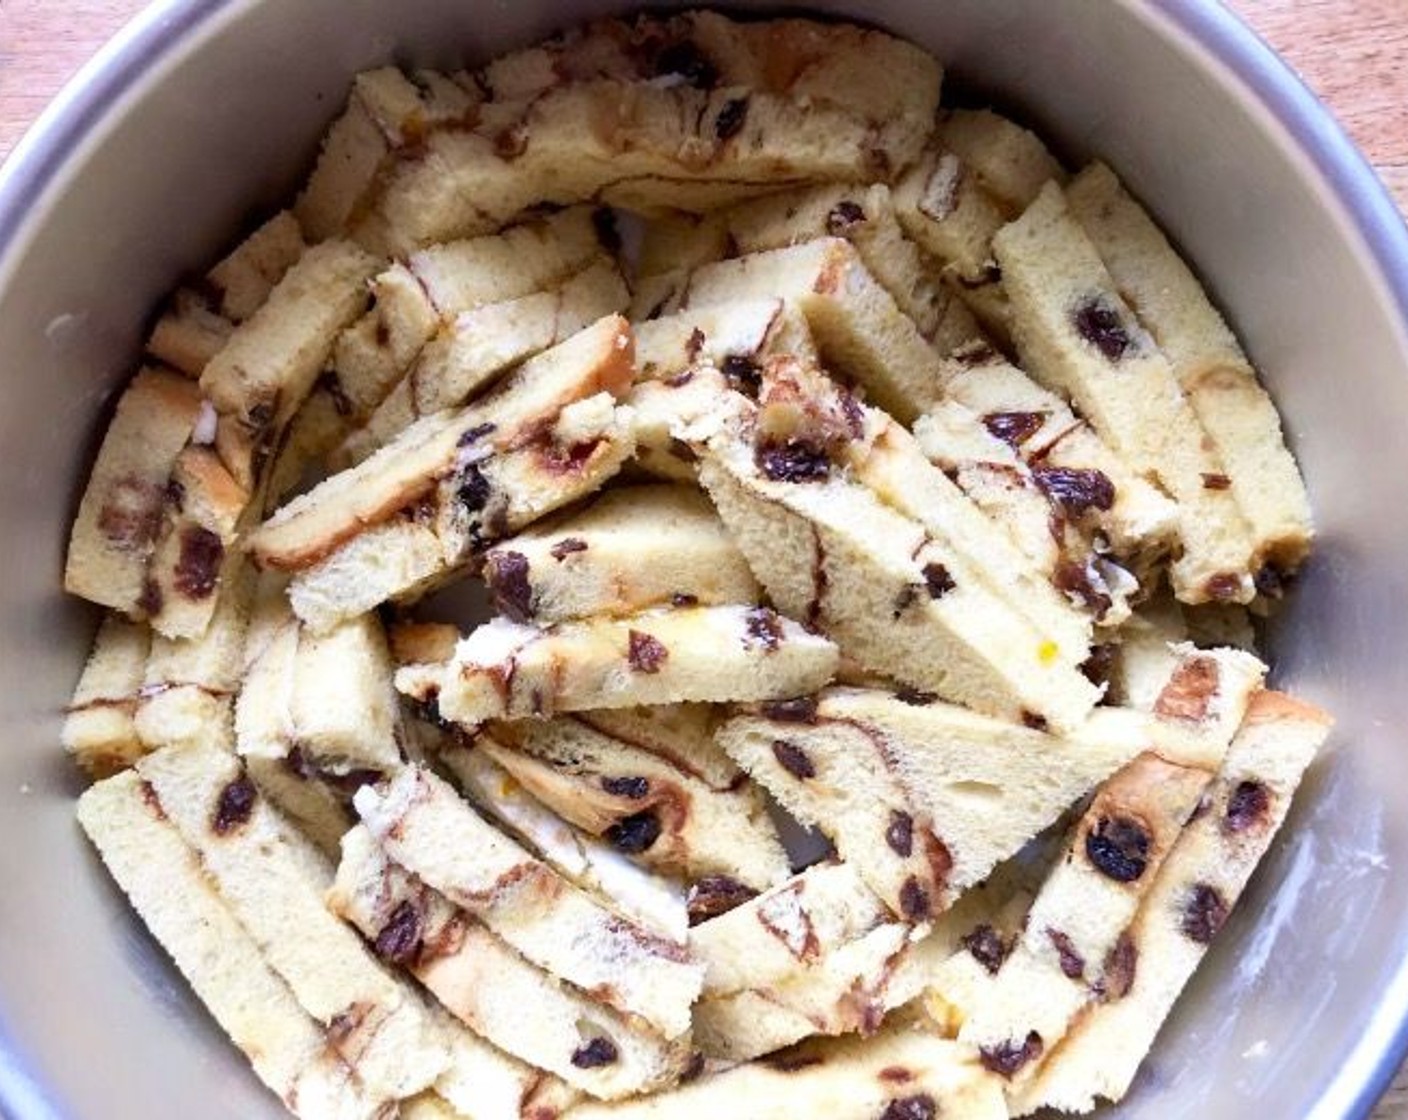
(682,578)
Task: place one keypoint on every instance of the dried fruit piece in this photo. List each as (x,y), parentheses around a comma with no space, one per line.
(1119,848)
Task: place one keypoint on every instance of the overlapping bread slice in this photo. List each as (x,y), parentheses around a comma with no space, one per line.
(896,597)
(692,112)
(163,879)
(424,826)
(629,550)
(478,345)
(404,518)
(645,805)
(924,798)
(505,670)
(1141,521)
(1079,337)
(198,320)
(273,881)
(1235,412)
(1187,904)
(98,728)
(585,859)
(899,1073)
(865,216)
(387,112)
(491,988)
(124,506)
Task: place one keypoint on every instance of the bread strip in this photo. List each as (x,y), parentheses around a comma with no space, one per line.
(1237,414)
(344,705)
(1079,338)
(485,500)
(243,279)
(386,112)
(1186,906)
(428,829)
(631,549)
(162,878)
(488,986)
(273,882)
(98,729)
(924,798)
(189,333)
(124,504)
(507,671)
(661,814)
(900,1072)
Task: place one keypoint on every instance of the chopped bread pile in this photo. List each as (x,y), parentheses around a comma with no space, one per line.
(682,577)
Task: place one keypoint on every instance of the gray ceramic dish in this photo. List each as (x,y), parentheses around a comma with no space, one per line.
(202,111)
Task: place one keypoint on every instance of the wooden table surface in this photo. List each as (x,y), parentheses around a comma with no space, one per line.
(1353,53)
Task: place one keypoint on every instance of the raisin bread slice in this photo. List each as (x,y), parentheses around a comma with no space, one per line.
(858,328)
(641,804)
(488,986)
(895,598)
(475,347)
(424,826)
(733,337)
(1078,336)
(188,333)
(504,670)
(1010,163)
(274,881)
(631,549)
(387,112)
(1187,904)
(899,1073)
(1237,414)
(1073,931)
(428,543)
(124,505)
(98,729)
(315,524)
(924,798)
(166,885)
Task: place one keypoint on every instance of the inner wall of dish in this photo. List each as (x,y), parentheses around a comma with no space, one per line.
(227,125)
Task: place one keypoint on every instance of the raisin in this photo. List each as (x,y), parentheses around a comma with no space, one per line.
(198,565)
(900,833)
(235,807)
(1119,848)
(634,834)
(914,900)
(1121,963)
(1203,914)
(695,343)
(793,462)
(645,654)
(843,217)
(915,697)
(800,709)
(1247,807)
(987,947)
(1075,489)
(473,435)
(1014,428)
(567,546)
(595,1054)
(150,601)
(689,62)
(793,759)
(474,489)
(714,895)
(921,1106)
(1007,1058)
(400,940)
(383,333)
(937,581)
(1072,963)
(1223,587)
(729,122)
(632,788)
(1035,720)
(1216,482)
(743,374)
(1097,667)
(132,514)
(506,573)
(1077,580)
(763,629)
(896,1074)
(607,231)
(1098,321)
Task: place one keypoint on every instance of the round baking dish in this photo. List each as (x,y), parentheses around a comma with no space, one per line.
(202,111)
